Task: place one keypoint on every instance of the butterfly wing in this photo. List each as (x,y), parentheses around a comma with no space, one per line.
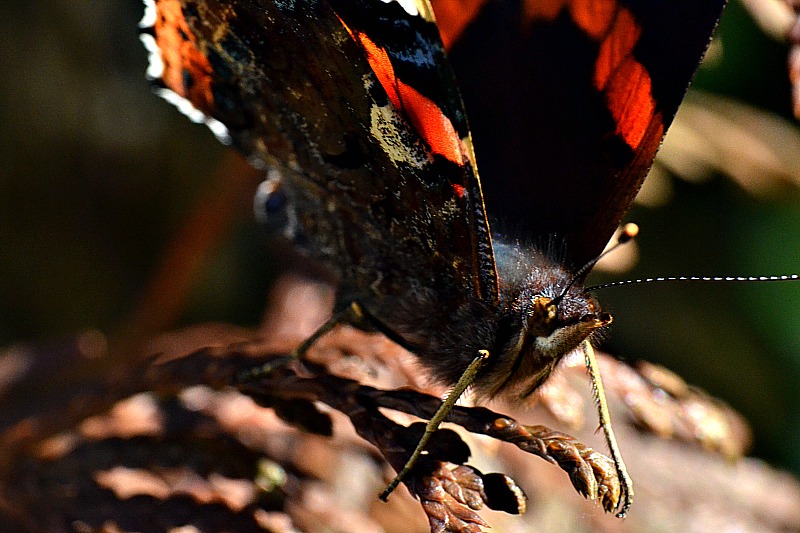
(581,92)
(353,103)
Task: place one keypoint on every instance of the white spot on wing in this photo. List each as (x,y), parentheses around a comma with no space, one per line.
(155,65)
(388,131)
(150,13)
(195,115)
(410,6)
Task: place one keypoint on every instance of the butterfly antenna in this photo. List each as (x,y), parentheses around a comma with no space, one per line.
(707,279)
(628,233)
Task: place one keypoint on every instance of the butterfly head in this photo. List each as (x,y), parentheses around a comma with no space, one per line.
(559,325)
(547,315)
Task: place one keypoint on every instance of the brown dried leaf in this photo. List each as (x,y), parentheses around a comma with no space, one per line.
(666,471)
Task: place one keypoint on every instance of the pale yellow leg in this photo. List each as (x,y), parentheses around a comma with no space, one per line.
(466,379)
(626,483)
(351,313)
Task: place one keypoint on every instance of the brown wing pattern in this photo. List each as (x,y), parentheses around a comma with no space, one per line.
(369,135)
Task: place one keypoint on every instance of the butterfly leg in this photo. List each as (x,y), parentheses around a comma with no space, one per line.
(363,319)
(625,481)
(466,379)
(351,313)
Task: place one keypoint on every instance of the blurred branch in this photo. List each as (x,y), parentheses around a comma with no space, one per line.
(164,299)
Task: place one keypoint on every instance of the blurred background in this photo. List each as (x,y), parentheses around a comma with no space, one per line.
(105,189)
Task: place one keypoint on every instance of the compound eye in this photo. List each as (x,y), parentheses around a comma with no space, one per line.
(543,316)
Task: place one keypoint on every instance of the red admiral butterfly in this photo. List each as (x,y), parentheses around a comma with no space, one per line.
(354,106)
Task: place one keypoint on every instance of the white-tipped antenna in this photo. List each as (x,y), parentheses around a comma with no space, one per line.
(708,279)
(629,231)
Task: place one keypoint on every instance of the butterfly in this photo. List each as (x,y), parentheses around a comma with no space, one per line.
(355,108)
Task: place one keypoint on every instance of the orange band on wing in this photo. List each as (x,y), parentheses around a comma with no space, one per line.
(183,62)
(542,9)
(594,17)
(427,118)
(623,80)
(630,100)
(453,16)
